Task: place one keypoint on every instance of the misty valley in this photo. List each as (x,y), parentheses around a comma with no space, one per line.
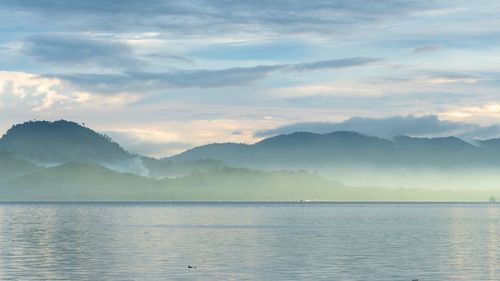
(66,161)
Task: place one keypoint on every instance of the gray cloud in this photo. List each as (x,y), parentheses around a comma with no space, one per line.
(427,48)
(145,81)
(428,125)
(169,57)
(200,77)
(341,63)
(236,133)
(411,102)
(81,50)
(210,16)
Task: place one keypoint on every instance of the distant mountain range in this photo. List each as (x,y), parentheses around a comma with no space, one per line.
(52,143)
(63,160)
(312,151)
(361,160)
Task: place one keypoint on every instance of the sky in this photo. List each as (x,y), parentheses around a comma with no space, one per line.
(160,77)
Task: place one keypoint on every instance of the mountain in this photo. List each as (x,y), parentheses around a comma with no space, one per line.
(297,150)
(46,143)
(90,182)
(440,152)
(491,144)
(74,181)
(63,160)
(303,150)
(360,160)
(77,182)
(60,142)
(11,166)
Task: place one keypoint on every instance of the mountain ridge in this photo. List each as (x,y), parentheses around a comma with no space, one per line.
(60,141)
(52,151)
(345,146)
(52,143)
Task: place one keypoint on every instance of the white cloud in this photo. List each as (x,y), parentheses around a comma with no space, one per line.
(450,79)
(341,88)
(486,111)
(21,90)
(169,138)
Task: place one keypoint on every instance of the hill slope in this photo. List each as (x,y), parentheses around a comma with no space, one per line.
(11,166)
(88,182)
(53,143)
(82,182)
(60,142)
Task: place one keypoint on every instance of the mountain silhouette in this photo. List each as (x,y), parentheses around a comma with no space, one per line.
(47,144)
(42,160)
(52,143)
(60,142)
(311,151)
(90,182)
(11,166)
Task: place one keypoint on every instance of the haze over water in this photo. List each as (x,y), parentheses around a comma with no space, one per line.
(249,241)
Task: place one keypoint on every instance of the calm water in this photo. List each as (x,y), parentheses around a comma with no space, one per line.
(245,241)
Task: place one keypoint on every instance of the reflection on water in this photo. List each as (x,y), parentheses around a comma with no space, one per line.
(249,241)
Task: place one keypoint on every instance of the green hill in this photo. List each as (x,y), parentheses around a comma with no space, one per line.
(11,166)
(89,182)
(60,142)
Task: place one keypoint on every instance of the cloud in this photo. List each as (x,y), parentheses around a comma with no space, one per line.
(267,50)
(70,50)
(426,76)
(328,64)
(174,58)
(448,78)
(169,57)
(138,81)
(491,109)
(168,138)
(20,90)
(427,48)
(428,125)
(148,142)
(211,16)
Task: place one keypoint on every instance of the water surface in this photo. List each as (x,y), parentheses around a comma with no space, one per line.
(249,241)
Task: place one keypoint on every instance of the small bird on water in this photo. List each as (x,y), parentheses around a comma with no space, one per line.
(190,266)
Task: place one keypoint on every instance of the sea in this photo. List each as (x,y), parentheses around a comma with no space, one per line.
(250,241)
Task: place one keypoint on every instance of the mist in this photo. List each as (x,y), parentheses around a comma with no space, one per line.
(45,161)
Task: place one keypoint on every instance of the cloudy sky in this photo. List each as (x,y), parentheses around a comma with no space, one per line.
(163,76)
